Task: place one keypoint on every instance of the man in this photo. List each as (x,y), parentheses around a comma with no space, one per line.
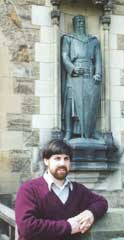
(52,207)
(81,57)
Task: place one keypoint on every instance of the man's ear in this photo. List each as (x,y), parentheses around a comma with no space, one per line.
(46,162)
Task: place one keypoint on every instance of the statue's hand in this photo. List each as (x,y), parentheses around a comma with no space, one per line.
(97,78)
(77,71)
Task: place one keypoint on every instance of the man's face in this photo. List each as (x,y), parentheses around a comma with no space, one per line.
(58,165)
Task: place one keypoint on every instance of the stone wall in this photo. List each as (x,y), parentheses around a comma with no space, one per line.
(110,227)
(116,197)
(30,93)
(47,87)
(18,74)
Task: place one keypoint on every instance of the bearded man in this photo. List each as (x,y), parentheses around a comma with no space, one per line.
(52,207)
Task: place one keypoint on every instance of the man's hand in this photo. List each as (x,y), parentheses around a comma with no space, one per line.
(86,220)
(75,225)
(82,222)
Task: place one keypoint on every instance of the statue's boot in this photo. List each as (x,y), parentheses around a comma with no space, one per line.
(67,135)
(97,135)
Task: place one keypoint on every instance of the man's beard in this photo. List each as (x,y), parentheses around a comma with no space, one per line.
(60,173)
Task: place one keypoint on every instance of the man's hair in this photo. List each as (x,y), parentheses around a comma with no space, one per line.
(56,146)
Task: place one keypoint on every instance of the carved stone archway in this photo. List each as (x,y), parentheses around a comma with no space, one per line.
(105,4)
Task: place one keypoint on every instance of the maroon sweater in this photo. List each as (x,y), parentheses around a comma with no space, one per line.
(40,215)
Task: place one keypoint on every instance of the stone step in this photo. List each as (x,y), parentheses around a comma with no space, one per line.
(4,237)
(120,238)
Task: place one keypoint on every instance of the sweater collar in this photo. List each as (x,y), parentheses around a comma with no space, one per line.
(50,181)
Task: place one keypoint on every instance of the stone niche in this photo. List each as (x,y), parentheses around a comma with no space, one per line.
(92,15)
(98,22)
(71,8)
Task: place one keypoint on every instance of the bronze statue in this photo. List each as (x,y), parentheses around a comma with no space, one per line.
(81,61)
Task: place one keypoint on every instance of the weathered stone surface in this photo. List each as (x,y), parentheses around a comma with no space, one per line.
(4,63)
(20,37)
(118,238)
(18,122)
(6,199)
(31,100)
(118,9)
(9,183)
(110,226)
(113,220)
(107,228)
(24,176)
(24,15)
(115,198)
(122,77)
(31,105)
(30,37)
(18,165)
(122,108)
(120,41)
(24,86)
(30,109)
(14,17)
(30,2)
(20,160)
(122,137)
(24,12)
(11,139)
(120,2)
(31,138)
(22,55)
(21,52)
(107,235)
(122,167)
(25,70)
(23,41)
(4,161)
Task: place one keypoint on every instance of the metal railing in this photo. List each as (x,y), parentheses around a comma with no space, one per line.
(7,216)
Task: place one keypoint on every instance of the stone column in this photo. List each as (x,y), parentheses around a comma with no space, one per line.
(55,16)
(56,75)
(106,20)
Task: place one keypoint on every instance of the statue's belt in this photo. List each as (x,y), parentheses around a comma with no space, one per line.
(81,60)
(86,65)
(86,71)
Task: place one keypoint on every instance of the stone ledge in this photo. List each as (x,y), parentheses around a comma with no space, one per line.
(93,154)
(111,226)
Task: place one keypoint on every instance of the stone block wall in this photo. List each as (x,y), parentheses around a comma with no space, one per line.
(110,184)
(45,86)
(116,197)
(30,94)
(110,227)
(117,68)
(18,74)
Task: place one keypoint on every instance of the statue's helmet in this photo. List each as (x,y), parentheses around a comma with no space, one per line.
(79,19)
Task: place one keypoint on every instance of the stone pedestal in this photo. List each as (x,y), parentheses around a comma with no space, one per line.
(92,154)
